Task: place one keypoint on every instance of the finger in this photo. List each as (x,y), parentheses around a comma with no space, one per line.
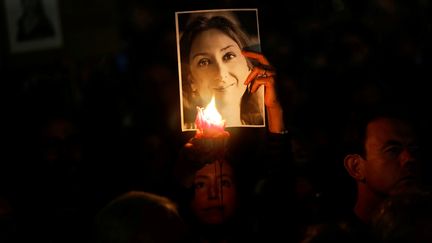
(257,84)
(252,75)
(257,56)
(259,73)
(265,73)
(266,81)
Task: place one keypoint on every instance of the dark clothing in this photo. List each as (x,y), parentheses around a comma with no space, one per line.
(274,208)
(359,230)
(348,229)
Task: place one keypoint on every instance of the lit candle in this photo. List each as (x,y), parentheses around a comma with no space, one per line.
(210,135)
(207,146)
(209,122)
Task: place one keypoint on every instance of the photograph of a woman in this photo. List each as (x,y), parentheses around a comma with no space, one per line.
(211,64)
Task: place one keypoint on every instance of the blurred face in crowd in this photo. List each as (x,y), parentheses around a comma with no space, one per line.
(218,68)
(215,197)
(391,161)
(60,142)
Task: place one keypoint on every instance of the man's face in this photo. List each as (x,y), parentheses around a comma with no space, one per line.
(390,164)
(215,193)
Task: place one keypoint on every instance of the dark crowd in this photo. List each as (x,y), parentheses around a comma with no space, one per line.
(93,149)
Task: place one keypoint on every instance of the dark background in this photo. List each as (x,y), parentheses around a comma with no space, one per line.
(116,80)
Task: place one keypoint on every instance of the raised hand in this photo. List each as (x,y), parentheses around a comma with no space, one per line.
(264,74)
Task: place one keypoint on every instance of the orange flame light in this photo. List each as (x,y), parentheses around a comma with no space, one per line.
(209,122)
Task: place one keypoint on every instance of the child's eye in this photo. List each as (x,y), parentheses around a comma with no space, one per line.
(199,185)
(226,183)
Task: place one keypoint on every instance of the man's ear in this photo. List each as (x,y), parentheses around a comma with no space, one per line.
(353,164)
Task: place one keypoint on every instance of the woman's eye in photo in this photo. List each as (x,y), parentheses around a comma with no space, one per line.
(204,62)
(228,56)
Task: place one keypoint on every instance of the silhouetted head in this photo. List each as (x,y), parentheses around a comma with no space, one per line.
(139,217)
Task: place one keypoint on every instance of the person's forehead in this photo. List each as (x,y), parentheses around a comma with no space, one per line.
(389,128)
(215,168)
(211,38)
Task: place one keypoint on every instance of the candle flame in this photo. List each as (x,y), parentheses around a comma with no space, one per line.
(209,121)
(212,115)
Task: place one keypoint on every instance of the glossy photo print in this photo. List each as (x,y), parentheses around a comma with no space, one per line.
(211,65)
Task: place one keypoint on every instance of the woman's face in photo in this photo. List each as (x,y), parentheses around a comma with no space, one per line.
(215,197)
(218,68)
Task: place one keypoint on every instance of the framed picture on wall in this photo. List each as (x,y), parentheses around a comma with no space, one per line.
(33,25)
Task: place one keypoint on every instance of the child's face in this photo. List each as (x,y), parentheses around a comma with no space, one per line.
(215,197)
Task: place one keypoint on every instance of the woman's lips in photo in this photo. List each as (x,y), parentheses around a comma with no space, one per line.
(223,88)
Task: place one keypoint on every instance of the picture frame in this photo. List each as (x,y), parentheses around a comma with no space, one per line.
(33,25)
